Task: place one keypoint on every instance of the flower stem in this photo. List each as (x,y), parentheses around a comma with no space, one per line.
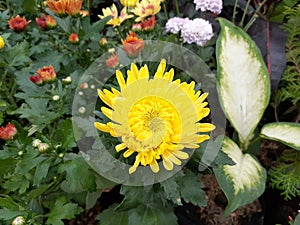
(234,11)
(177,8)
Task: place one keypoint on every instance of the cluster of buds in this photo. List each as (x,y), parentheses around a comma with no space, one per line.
(18,23)
(46,22)
(8,132)
(44,75)
(42,147)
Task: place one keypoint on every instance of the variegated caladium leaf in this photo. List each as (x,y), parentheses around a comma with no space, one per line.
(284,132)
(243,81)
(243,182)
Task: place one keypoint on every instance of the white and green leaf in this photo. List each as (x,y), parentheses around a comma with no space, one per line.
(284,132)
(243,182)
(243,82)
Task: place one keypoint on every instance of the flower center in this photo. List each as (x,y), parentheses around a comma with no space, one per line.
(151,121)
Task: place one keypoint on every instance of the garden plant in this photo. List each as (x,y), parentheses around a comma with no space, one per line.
(151,112)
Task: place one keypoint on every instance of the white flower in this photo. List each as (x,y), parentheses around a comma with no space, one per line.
(214,6)
(55,98)
(197,31)
(81,110)
(175,24)
(67,80)
(18,221)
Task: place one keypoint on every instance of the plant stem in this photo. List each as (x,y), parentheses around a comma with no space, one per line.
(176,7)
(234,11)
(244,14)
(254,16)
(165,10)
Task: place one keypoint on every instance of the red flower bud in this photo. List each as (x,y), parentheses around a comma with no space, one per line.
(47,73)
(36,80)
(18,23)
(73,38)
(8,132)
(112,61)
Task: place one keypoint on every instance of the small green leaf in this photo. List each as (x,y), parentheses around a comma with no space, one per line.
(286,133)
(243,80)
(191,189)
(62,210)
(242,183)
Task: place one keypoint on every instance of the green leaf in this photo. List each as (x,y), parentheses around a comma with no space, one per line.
(8,202)
(7,214)
(242,183)
(75,181)
(65,134)
(96,27)
(243,81)
(284,132)
(41,171)
(111,217)
(62,210)
(297,220)
(18,54)
(191,189)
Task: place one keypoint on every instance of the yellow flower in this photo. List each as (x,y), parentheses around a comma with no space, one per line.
(130,3)
(155,118)
(113,11)
(2,43)
(146,8)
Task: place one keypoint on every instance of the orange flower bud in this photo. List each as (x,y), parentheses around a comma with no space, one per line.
(47,73)
(133,45)
(61,7)
(8,132)
(73,38)
(103,41)
(18,23)
(50,21)
(112,61)
(84,13)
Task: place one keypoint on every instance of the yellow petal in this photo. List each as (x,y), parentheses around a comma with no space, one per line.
(104,98)
(120,79)
(107,112)
(144,72)
(168,164)
(161,69)
(202,138)
(181,154)
(120,147)
(154,167)
(206,127)
(102,127)
(128,153)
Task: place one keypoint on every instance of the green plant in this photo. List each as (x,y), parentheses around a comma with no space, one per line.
(289,88)
(240,69)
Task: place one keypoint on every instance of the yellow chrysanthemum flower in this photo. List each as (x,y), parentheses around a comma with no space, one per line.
(113,11)
(146,8)
(156,118)
(129,3)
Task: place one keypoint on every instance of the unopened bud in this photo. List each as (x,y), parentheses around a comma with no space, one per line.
(43,147)
(55,98)
(36,142)
(81,110)
(67,80)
